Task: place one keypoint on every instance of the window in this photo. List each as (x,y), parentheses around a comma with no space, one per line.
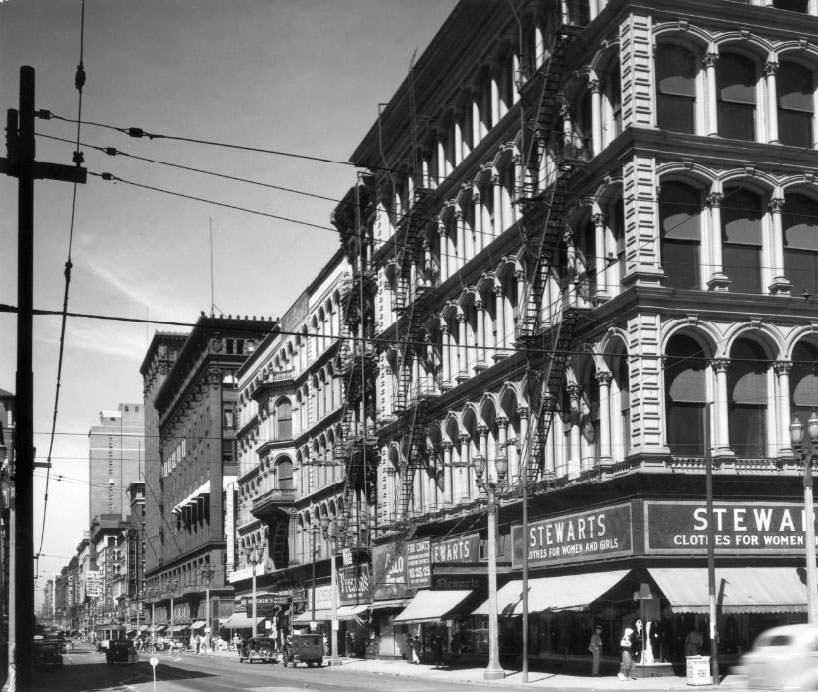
(284,471)
(685,397)
(741,219)
(284,420)
(747,399)
(679,212)
(795,86)
(614,89)
(792,5)
(799,222)
(676,69)
(229,421)
(736,84)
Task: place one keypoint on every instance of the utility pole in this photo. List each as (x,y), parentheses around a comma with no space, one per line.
(20,164)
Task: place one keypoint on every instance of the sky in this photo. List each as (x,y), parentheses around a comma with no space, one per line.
(303,77)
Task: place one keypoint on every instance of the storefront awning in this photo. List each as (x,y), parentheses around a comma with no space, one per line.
(158,628)
(738,589)
(345,612)
(198,624)
(566,592)
(239,621)
(393,604)
(179,628)
(430,605)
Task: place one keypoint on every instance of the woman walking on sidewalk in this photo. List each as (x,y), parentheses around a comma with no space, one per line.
(595,647)
(625,646)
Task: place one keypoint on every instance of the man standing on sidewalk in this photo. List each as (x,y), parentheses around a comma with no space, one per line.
(625,646)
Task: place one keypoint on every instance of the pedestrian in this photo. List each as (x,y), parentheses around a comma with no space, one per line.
(595,647)
(625,648)
(193,643)
(693,642)
(414,648)
(350,644)
(326,644)
(438,647)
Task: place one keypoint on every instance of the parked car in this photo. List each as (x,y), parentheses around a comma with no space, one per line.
(783,658)
(304,648)
(47,653)
(258,649)
(121,651)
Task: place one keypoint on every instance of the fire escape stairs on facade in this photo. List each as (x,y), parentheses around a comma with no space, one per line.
(546,340)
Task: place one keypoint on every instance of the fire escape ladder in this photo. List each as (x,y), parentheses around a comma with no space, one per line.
(547,379)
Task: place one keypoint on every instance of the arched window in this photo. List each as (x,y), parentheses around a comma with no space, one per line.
(685,397)
(800,227)
(284,420)
(613,94)
(284,473)
(679,218)
(747,399)
(804,381)
(741,218)
(676,69)
(736,78)
(795,86)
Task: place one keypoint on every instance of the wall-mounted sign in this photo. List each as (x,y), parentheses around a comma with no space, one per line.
(757,527)
(389,571)
(575,537)
(418,563)
(449,582)
(465,548)
(353,583)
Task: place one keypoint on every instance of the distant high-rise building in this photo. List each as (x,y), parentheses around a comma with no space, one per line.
(116,459)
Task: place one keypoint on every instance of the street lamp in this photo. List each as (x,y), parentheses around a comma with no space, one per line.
(253,557)
(330,531)
(807,449)
(172,591)
(493,670)
(207,575)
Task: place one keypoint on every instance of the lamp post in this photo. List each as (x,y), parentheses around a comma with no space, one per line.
(253,557)
(207,575)
(807,449)
(314,532)
(172,590)
(330,532)
(493,670)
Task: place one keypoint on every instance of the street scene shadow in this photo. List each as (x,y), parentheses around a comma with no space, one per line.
(87,677)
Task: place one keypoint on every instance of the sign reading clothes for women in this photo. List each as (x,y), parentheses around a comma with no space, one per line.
(764,527)
(575,537)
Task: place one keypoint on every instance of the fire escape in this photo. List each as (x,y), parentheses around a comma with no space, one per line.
(356,449)
(545,331)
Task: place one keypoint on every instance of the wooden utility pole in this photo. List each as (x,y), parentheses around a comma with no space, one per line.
(20,164)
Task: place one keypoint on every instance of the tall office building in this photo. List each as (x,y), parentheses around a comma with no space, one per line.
(116,458)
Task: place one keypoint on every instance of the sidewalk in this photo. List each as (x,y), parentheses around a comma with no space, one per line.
(536,679)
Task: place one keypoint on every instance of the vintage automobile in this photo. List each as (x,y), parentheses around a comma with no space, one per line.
(783,658)
(261,649)
(121,651)
(47,653)
(304,648)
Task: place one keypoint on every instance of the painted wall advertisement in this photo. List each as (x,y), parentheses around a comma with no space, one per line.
(353,583)
(419,563)
(389,571)
(603,532)
(763,527)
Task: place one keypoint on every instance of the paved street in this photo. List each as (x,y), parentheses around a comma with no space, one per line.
(86,670)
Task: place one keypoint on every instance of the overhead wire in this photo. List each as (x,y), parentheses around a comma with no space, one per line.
(79,83)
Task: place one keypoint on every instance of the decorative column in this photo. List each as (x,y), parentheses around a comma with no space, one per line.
(780,284)
(498,222)
(494,73)
(502,436)
(519,275)
(500,326)
(445,250)
(445,351)
(477,215)
(448,482)
(464,485)
(711,99)
(483,441)
(458,138)
(604,377)
(718,280)
(772,103)
(782,373)
(596,116)
(441,157)
(721,443)
(601,259)
(481,335)
(462,374)
(522,442)
(461,237)
(575,459)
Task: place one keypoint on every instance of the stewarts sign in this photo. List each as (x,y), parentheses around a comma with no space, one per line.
(606,531)
(761,527)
